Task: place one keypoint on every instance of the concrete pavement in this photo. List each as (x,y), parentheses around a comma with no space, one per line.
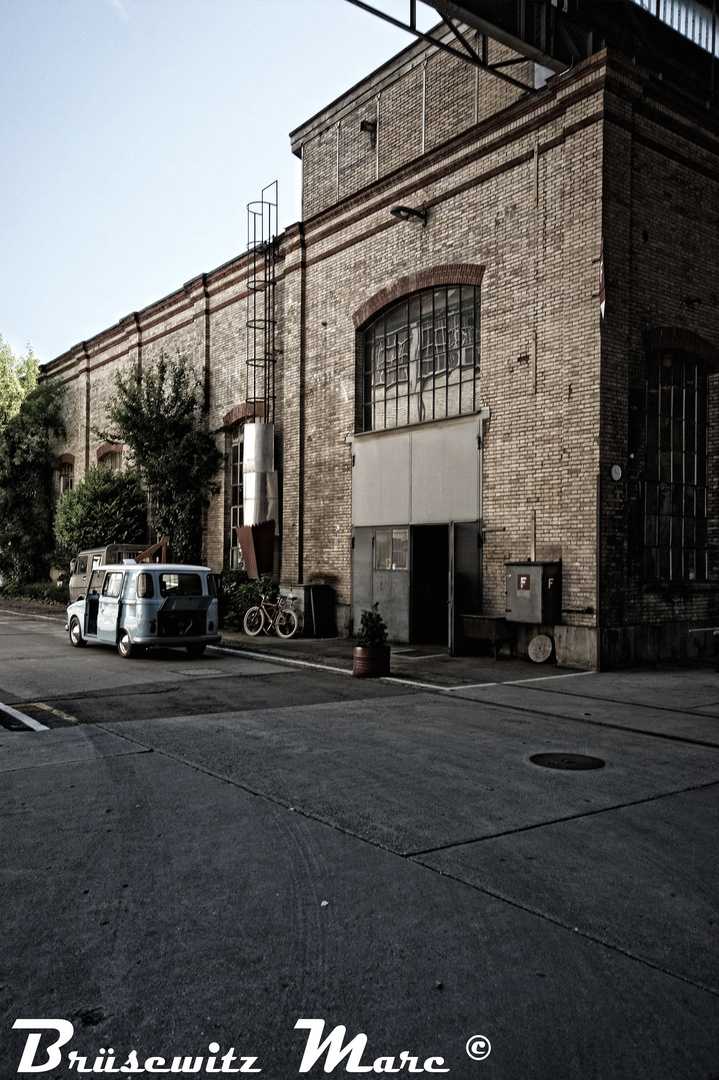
(390,860)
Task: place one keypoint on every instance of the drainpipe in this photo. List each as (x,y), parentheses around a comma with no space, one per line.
(301,410)
(484,415)
(598,574)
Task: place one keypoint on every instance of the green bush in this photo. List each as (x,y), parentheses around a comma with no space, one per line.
(238,594)
(45,592)
(27,457)
(106,507)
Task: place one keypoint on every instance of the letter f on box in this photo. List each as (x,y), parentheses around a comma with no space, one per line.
(65,1032)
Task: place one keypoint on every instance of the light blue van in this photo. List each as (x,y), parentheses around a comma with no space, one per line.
(142,605)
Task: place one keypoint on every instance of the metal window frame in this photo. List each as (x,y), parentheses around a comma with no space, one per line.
(676,547)
(389,403)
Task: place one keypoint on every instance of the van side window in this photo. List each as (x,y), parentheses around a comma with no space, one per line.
(96,560)
(112,586)
(81,565)
(144,586)
(95,588)
(180,585)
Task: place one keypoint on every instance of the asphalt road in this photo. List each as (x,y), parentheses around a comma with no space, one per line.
(198,854)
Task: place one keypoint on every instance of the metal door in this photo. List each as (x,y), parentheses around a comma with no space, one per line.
(465,575)
(362,561)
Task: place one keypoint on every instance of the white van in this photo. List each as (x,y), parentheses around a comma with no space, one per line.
(135,606)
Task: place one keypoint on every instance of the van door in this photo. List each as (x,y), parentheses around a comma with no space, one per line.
(92,602)
(108,614)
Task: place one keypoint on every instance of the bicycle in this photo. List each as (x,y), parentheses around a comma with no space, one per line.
(269,616)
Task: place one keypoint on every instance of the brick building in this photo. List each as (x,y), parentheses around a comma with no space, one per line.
(448,397)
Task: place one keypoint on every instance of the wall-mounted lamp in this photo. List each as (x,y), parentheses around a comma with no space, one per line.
(407,212)
(371,127)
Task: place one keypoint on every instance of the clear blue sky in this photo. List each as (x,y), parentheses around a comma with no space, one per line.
(134,133)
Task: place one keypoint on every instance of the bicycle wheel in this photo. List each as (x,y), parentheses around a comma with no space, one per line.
(286,624)
(254,620)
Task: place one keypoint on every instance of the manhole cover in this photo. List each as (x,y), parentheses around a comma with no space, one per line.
(574,762)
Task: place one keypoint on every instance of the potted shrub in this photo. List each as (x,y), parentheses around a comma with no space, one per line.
(371,655)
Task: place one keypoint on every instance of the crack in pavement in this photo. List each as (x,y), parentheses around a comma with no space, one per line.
(568,817)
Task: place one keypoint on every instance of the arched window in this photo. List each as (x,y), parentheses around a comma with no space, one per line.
(111,461)
(675,488)
(421,359)
(65,478)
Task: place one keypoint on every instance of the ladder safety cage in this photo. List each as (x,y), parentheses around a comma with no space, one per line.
(262,228)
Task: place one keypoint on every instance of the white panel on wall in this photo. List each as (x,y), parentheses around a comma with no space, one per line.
(417,475)
(445,484)
(381,479)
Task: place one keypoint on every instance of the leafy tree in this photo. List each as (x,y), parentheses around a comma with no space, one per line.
(106,507)
(18,376)
(26,482)
(158,413)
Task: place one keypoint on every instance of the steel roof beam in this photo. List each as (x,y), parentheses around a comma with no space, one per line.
(469,54)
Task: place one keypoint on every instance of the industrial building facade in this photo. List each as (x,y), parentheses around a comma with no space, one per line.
(494,345)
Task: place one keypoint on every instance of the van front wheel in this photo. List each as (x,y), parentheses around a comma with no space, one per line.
(125,646)
(76,637)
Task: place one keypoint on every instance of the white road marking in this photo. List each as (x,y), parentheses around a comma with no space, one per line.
(27,720)
(32,615)
(392,678)
(518,682)
(248,655)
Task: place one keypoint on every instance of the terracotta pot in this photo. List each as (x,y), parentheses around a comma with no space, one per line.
(371,663)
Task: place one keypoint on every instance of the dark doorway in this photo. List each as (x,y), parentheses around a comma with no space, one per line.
(429,585)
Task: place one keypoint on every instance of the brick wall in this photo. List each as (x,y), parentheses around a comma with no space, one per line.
(520,191)
(661,228)
(523,200)
(204,321)
(414,104)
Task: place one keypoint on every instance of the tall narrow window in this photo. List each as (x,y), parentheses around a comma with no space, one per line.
(236,497)
(421,359)
(675,492)
(65,478)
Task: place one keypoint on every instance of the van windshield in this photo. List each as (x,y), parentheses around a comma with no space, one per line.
(180,585)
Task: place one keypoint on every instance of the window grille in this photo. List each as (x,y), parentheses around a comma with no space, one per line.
(391,549)
(421,359)
(236,496)
(65,478)
(675,487)
(111,461)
